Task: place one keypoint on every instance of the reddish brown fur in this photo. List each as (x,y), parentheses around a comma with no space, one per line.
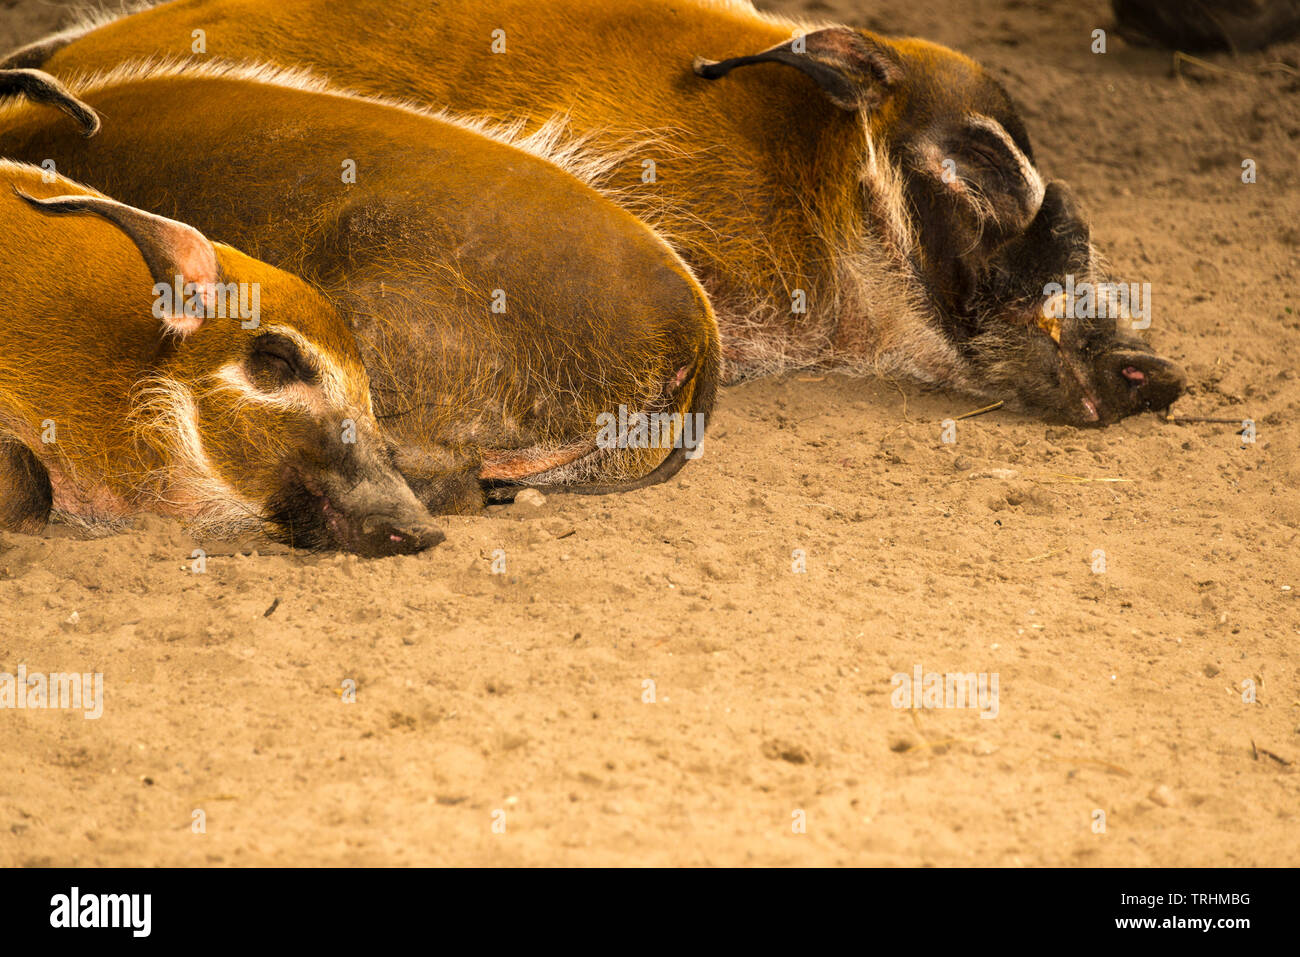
(140,420)
(600,312)
(768,186)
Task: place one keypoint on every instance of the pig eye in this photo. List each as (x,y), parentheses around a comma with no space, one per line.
(276,361)
(989,156)
(992,157)
(1000,182)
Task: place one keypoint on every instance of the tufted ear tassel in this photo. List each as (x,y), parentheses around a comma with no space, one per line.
(40,87)
(854,71)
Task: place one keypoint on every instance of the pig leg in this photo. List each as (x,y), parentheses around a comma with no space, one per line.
(26,496)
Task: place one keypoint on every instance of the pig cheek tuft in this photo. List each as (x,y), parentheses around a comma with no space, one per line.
(182,326)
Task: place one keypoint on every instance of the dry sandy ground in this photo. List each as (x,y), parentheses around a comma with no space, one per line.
(519,698)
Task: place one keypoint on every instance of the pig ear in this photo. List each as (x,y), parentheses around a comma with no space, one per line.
(853,70)
(170,249)
(43,88)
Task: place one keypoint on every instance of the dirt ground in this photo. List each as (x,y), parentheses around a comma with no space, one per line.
(520,699)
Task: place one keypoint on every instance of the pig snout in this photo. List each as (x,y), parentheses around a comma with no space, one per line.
(1116,384)
(370,512)
(374,518)
(1132,380)
(1073,361)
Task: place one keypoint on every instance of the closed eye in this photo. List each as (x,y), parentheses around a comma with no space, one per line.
(990,157)
(275,361)
(993,156)
(989,140)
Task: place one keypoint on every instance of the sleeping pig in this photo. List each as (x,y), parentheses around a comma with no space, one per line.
(144,368)
(848,199)
(518,328)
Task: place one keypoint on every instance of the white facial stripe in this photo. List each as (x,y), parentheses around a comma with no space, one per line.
(295,397)
(166,417)
(889,195)
(1027,170)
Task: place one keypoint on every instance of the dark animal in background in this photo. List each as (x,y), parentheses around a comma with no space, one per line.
(1208,25)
